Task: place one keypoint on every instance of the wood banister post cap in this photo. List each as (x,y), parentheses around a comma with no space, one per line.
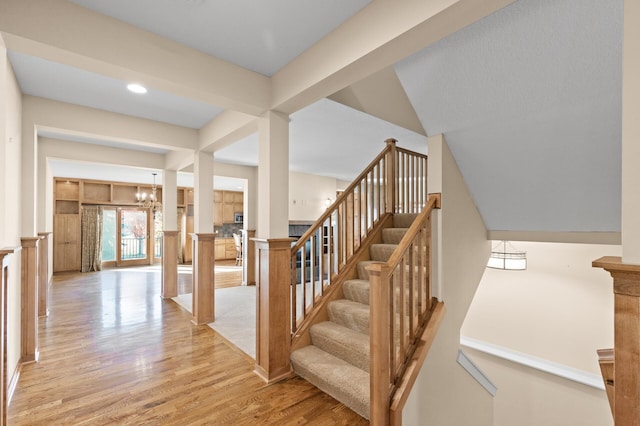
(391,141)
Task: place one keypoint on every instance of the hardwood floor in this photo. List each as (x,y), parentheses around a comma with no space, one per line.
(113,352)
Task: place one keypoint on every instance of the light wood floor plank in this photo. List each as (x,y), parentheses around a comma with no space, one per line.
(113,352)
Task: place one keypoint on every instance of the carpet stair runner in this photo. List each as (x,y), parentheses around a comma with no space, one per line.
(337,361)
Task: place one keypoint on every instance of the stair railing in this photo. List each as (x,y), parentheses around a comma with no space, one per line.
(394,182)
(401,307)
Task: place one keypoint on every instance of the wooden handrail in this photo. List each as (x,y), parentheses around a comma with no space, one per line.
(394,182)
(340,199)
(401,311)
(606,359)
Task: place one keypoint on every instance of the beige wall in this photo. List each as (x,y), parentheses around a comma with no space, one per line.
(12,147)
(529,397)
(308,195)
(559,297)
(445,394)
(560,310)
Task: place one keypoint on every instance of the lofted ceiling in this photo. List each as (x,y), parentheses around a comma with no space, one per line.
(528,98)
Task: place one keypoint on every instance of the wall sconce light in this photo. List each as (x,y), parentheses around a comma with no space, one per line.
(328,202)
(505,256)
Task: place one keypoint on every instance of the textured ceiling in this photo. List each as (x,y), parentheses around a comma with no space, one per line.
(43,78)
(529,100)
(261,36)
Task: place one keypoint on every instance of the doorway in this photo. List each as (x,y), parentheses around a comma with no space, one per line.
(133,238)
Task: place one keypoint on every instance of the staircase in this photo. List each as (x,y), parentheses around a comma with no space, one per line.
(338,360)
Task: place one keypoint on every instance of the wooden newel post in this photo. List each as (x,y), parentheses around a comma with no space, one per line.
(203,307)
(43,274)
(273,308)
(249,257)
(379,332)
(626,364)
(29,294)
(169,264)
(4,378)
(390,176)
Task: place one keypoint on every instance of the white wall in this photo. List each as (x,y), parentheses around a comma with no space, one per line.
(560,309)
(444,393)
(308,195)
(11,170)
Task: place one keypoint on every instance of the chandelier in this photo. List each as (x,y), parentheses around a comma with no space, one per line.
(151,202)
(505,256)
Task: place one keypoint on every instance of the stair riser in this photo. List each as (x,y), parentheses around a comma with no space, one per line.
(342,343)
(355,318)
(356,290)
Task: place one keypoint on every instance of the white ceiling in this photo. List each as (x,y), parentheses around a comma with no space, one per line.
(320,130)
(261,36)
(43,78)
(529,98)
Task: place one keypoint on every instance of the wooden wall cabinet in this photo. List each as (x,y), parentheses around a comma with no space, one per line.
(66,225)
(71,194)
(66,243)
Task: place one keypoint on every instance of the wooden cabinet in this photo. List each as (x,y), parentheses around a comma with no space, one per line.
(217,208)
(66,226)
(230,248)
(67,196)
(220,247)
(66,242)
(225,248)
(231,204)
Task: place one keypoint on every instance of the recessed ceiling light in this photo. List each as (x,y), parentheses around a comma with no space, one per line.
(137,88)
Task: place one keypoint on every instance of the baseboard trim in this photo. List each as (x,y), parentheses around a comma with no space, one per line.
(476,373)
(13,383)
(550,367)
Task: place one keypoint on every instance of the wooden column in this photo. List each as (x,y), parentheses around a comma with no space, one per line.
(4,379)
(29,294)
(203,278)
(169,264)
(249,258)
(626,382)
(273,308)
(43,274)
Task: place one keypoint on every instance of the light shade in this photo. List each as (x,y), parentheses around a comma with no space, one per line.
(137,88)
(505,256)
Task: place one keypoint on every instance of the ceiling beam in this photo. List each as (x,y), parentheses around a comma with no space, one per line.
(85,121)
(82,152)
(227,128)
(101,44)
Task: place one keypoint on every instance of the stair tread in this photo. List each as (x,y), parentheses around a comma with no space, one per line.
(350,314)
(343,381)
(342,342)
